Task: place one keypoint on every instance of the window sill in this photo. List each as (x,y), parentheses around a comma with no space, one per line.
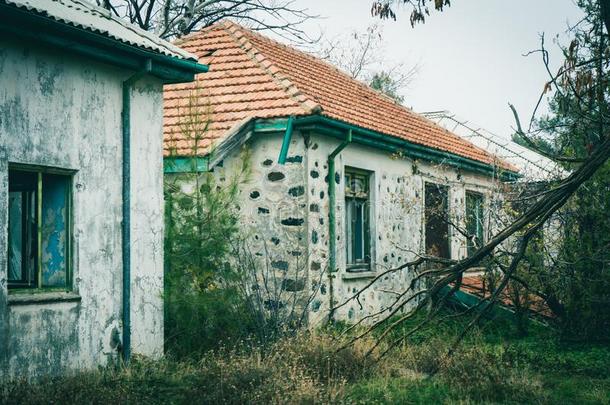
(42,298)
(357,275)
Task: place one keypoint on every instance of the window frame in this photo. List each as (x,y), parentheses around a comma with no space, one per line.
(470,247)
(447,201)
(40,171)
(367,225)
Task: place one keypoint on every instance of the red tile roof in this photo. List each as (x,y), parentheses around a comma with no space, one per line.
(252,76)
(477,285)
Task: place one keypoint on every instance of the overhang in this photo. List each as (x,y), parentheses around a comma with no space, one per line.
(337,129)
(20,22)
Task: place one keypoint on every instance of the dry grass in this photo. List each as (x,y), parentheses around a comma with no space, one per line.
(308,369)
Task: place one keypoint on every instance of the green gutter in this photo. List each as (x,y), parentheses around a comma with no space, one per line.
(332,232)
(126,197)
(286,142)
(363,136)
(378,140)
(38,28)
(185,164)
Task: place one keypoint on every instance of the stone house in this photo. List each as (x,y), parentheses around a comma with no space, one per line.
(345,181)
(81,199)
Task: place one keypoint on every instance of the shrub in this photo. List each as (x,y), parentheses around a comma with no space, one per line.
(203,307)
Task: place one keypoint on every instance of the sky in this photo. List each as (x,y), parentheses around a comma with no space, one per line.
(470,56)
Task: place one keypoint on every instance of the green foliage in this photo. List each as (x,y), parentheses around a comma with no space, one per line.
(202,225)
(205,320)
(204,307)
(577,280)
(550,355)
(541,144)
(386,84)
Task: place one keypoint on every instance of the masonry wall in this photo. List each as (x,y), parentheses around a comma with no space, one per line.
(61,111)
(285,209)
(397,222)
(274,216)
(397,226)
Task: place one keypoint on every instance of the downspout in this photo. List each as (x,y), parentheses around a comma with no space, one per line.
(126,197)
(286,142)
(332,232)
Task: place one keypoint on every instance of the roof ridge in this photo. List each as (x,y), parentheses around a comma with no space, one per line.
(317,60)
(236,32)
(361,84)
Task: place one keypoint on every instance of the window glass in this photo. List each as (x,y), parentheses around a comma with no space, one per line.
(357,223)
(22,229)
(38,229)
(474,221)
(437,220)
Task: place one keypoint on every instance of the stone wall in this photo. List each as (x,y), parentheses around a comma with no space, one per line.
(274,208)
(287,222)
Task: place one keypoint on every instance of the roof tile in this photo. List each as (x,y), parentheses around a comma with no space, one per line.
(253,76)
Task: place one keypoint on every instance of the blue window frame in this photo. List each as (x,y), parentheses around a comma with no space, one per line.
(39,228)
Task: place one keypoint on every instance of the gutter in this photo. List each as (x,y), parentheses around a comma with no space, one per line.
(363,136)
(376,139)
(332,232)
(185,164)
(286,142)
(126,207)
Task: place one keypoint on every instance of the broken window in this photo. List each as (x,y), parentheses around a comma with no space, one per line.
(474,221)
(357,222)
(437,220)
(38,229)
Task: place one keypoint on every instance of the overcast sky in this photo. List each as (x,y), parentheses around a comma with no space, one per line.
(470,56)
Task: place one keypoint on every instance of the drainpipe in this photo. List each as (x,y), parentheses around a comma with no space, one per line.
(286,142)
(332,233)
(126,194)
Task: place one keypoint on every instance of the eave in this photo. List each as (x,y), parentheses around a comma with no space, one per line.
(337,129)
(363,136)
(27,25)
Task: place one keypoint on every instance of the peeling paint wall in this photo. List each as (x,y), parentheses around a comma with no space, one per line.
(397,223)
(147,219)
(62,111)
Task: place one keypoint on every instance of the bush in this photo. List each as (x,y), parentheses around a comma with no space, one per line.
(207,320)
(204,307)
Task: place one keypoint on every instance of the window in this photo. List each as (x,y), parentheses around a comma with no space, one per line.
(39,222)
(437,220)
(474,221)
(357,223)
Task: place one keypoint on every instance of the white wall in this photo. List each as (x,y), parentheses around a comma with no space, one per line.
(397,191)
(62,111)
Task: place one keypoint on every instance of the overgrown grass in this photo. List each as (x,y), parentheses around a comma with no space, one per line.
(491,366)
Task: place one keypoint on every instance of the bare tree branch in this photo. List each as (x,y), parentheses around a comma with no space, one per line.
(175,18)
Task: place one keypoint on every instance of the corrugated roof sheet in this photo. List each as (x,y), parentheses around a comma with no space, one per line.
(253,76)
(85,15)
